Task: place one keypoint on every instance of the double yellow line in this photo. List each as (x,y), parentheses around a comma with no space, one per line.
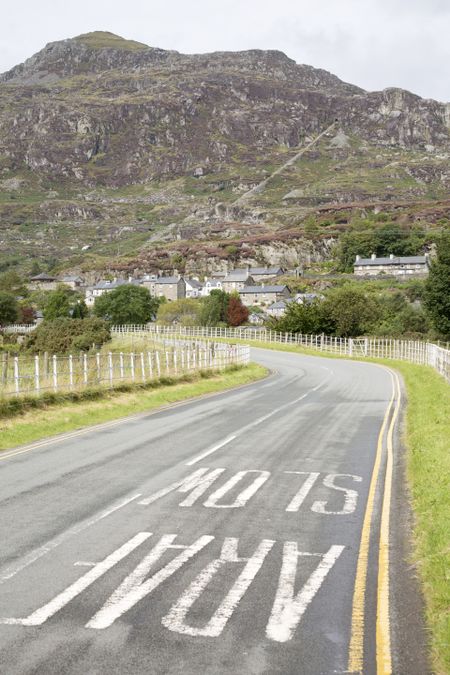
(383,639)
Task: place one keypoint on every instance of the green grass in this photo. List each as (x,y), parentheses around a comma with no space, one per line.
(62,416)
(427,438)
(105,40)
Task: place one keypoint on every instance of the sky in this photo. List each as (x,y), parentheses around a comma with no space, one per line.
(371,43)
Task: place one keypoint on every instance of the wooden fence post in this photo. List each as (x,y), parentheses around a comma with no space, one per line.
(71,371)
(36,374)
(16,375)
(111,369)
(55,372)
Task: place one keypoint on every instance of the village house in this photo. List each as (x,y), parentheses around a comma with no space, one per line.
(263,295)
(74,282)
(278,309)
(171,288)
(237,279)
(193,288)
(398,266)
(105,286)
(210,285)
(43,282)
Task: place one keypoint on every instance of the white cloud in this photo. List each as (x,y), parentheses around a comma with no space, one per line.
(371,43)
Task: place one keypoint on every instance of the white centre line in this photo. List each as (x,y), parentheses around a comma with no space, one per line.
(53,543)
(243,430)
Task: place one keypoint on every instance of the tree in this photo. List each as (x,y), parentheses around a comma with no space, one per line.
(237,313)
(185,312)
(304,318)
(79,310)
(127,304)
(351,310)
(214,308)
(437,288)
(13,283)
(57,305)
(9,308)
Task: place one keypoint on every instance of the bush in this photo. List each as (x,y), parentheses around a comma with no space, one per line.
(64,335)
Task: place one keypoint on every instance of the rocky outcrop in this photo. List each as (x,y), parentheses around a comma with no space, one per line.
(98,109)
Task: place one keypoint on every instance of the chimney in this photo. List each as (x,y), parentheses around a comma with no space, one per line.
(391,256)
(373,256)
(358,257)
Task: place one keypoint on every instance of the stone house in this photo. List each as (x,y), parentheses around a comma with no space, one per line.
(237,279)
(400,266)
(105,286)
(73,282)
(278,309)
(171,288)
(43,282)
(263,295)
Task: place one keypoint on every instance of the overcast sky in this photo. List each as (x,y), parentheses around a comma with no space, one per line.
(371,43)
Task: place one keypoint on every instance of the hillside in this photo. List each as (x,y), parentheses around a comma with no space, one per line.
(118,155)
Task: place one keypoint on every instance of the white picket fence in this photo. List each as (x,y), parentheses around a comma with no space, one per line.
(19,328)
(414,351)
(21,375)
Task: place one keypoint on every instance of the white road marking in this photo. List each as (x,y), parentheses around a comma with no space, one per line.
(211,450)
(244,429)
(134,588)
(288,608)
(350,499)
(53,543)
(198,482)
(84,563)
(301,495)
(243,497)
(175,619)
(41,615)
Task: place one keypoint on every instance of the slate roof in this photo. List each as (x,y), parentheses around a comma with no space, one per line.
(167,280)
(194,283)
(103,285)
(265,270)
(43,277)
(237,275)
(399,260)
(263,289)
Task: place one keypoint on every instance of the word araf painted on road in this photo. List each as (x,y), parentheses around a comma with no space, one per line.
(199,482)
(287,609)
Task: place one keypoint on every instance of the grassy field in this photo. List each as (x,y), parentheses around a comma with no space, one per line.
(63,417)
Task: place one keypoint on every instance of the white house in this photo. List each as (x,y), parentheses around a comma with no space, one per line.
(210,285)
(193,288)
(400,266)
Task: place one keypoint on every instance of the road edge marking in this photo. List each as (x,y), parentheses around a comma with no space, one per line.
(356,647)
(383,637)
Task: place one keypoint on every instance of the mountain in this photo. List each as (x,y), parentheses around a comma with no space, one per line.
(109,144)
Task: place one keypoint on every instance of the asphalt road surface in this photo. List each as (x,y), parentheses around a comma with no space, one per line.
(246,532)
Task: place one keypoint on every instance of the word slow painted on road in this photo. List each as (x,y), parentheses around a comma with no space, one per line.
(288,605)
(243,485)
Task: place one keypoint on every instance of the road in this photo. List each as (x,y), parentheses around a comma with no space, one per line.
(246,532)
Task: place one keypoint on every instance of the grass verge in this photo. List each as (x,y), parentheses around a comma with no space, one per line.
(80,409)
(427,440)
